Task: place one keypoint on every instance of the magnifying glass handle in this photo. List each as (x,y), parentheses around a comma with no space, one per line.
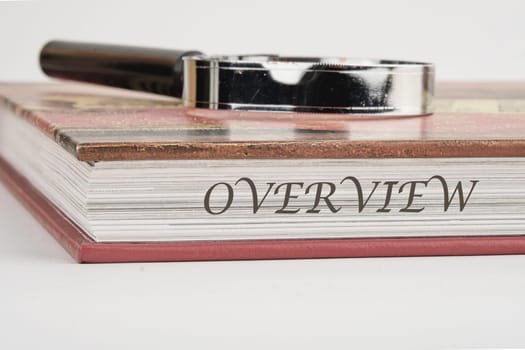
(145,69)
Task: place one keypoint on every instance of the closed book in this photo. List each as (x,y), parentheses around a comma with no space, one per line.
(120,176)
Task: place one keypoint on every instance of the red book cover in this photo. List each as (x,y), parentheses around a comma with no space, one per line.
(102,124)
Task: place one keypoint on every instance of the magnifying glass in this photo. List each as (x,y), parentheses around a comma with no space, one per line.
(251,82)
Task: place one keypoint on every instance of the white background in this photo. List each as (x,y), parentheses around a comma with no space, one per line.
(47,301)
(481,40)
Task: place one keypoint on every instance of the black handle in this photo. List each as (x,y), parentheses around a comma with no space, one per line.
(145,69)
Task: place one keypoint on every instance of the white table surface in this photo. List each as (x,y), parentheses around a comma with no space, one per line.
(443,302)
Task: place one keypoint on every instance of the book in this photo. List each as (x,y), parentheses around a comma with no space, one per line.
(120,176)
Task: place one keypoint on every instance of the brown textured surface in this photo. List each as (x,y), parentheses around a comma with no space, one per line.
(95,124)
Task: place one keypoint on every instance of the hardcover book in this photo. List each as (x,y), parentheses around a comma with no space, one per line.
(119,176)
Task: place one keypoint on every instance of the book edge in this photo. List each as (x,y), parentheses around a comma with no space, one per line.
(83,249)
(304,150)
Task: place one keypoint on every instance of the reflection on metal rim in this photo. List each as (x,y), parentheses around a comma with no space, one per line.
(320,85)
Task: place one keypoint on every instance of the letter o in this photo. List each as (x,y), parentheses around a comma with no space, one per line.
(208,194)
